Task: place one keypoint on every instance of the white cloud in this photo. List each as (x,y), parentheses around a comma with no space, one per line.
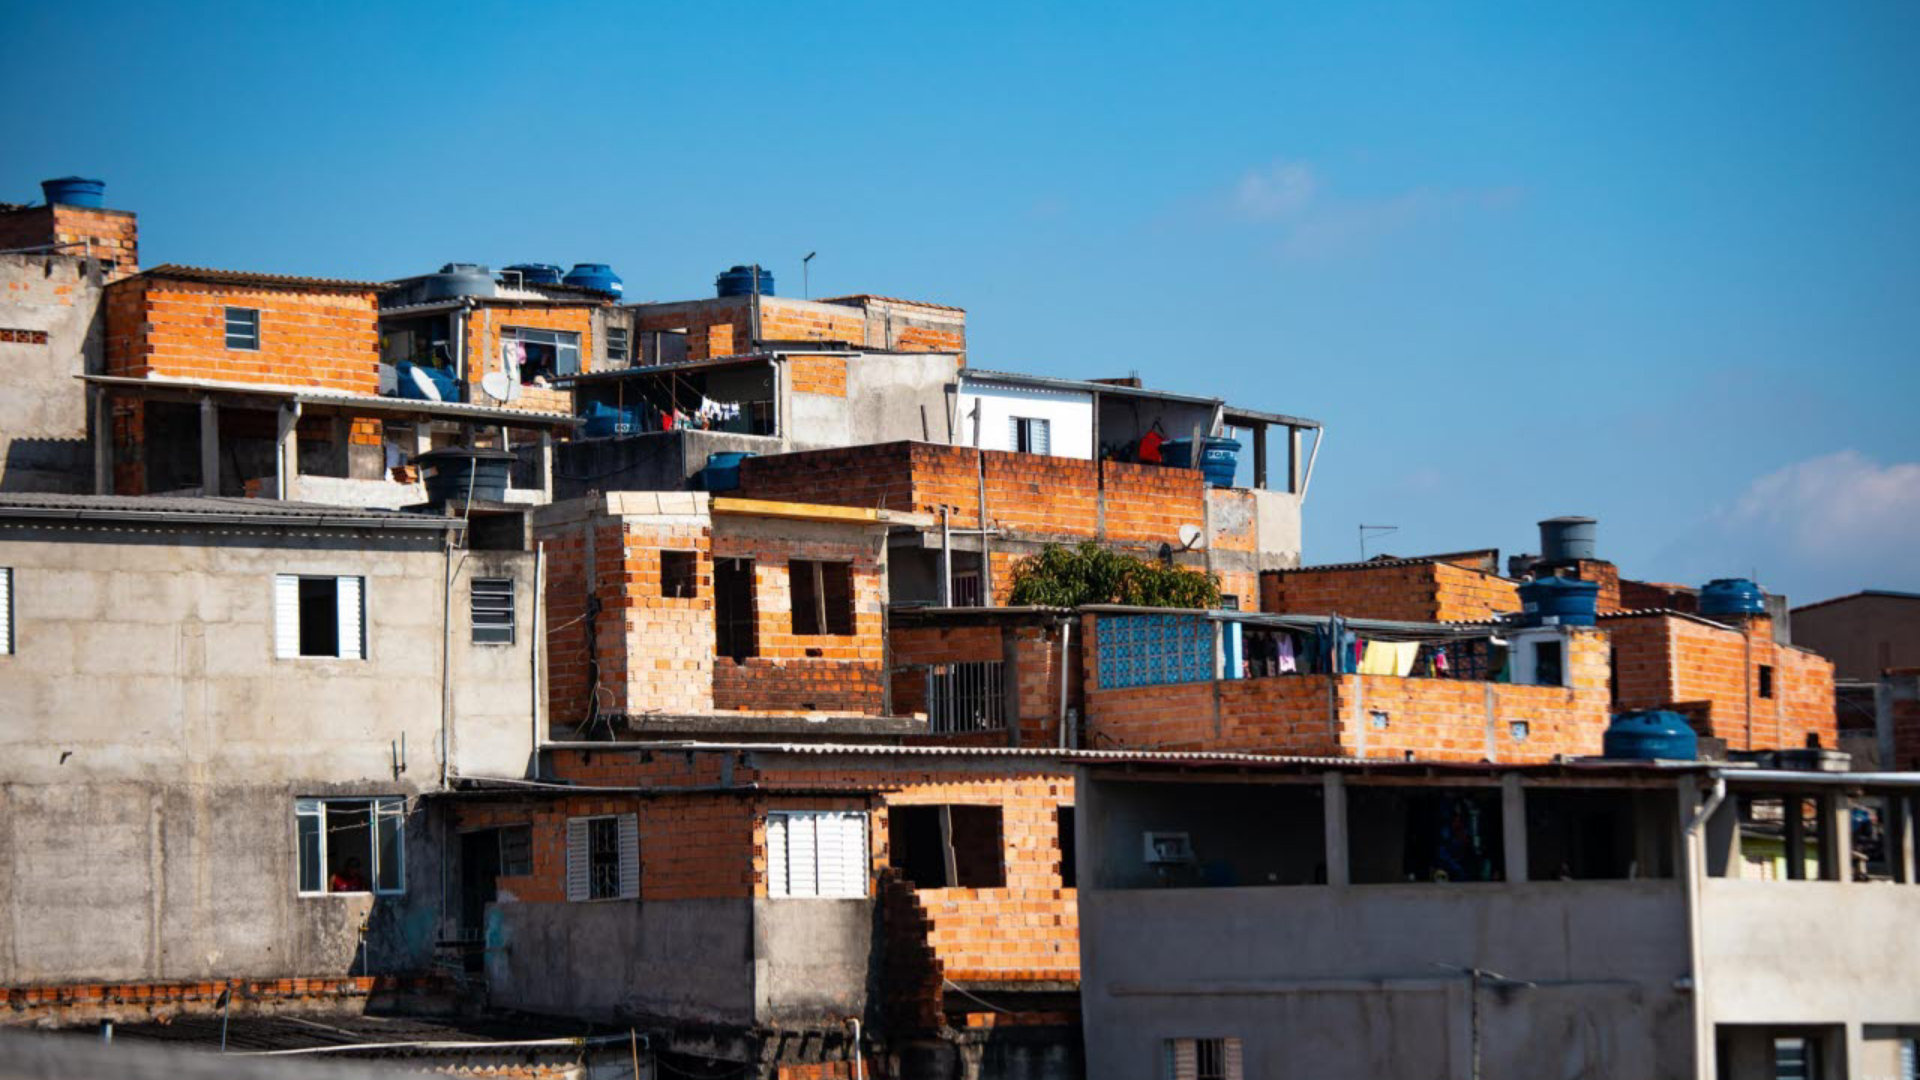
(1279,191)
(1817,528)
(1311,220)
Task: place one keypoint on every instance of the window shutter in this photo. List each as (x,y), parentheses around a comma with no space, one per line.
(803,855)
(576,858)
(843,855)
(1233,1060)
(777,855)
(1042,437)
(6,610)
(286,616)
(352,625)
(629,856)
(1013,433)
(1183,1059)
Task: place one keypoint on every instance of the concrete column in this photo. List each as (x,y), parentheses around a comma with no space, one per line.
(422,436)
(1836,839)
(1260,456)
(1513,826)
(1334,805)
(1853,1052)
(546,464)
(102,441)
(1796,838)
(209,447)
(1900,838)
(288,451)
(1295,466)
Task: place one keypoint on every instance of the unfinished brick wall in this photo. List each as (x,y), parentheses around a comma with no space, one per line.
(823,375)
(1436,591)
(112,235)
(1664,660)
(310,338)
(785,319)
(908,325)
(1035,672)
(806,672)
(484,324)
(1657,595)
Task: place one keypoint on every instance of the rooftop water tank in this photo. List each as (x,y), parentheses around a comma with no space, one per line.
(459,472)
(1219,458)
(597,276)
(738,281)
(1650,734)
(1558,601)
(454,280)
(75,191)
(536,273)
(1564,539)
(1732,596)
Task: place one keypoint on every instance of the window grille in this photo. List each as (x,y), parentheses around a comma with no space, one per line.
(968,697)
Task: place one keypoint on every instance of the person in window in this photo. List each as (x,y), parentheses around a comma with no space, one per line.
(349,878)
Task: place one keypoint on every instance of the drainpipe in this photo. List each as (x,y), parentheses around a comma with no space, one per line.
(859,1062)
(539,644)
(946,560)
(1694,842)
(446,668)
(1066,657)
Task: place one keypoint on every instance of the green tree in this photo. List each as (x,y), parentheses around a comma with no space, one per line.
(1090,574)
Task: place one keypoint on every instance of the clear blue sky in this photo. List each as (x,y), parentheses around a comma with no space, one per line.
(1657,263)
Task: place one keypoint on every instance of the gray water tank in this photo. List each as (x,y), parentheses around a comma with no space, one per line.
(455,280)
(1565,539)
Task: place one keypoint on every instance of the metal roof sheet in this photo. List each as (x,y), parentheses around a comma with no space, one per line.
(214,509)
(851,298)
(208,275)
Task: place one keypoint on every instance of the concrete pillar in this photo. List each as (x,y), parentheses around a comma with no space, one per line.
(1854,1053)
(422,436)
(209,447)
(1513,826)
(546,464)
(288,452)
(102,441)
(1900,838)
(1722,833)
(1836,838)
(1796,838)
(1296,467)
(1334,805)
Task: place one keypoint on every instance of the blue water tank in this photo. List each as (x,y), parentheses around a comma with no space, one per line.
(597,276)
(605,421)
(75,191)
(1219,458)
(738,281)
(1732,596)
(723,471)
(1557,601)
(536,273)
(409,376)
(1564,539)
(1649,734)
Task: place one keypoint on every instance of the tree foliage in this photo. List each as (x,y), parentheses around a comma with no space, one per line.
(1090,574)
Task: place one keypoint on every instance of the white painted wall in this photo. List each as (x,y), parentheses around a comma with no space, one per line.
(1068,412)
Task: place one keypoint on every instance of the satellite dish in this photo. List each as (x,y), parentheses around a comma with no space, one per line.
(1189,537)
(500,387)
(428,391)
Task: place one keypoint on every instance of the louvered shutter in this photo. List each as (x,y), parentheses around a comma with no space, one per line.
(1183,1059)
(803,855)
(1042,436)
(6,610)
(286,616)
(777,855)
(843,855)
(352,611)
(577,859)
(629,856)
(1013,433)
(1235,1070)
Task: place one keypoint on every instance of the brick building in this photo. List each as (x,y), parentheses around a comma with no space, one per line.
(734,325)
(988,676)
(1463,587)
(1730,677)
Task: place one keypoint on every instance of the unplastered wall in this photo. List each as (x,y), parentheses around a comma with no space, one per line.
(483,336)
(1031,653)
(313,339)
(1667,660)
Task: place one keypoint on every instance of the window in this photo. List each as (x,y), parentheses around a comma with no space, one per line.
(1795,1059)
(733,629)
(617,344)
(539,354)
(967,697)
(1547,667)
(817,853)
(319,616)
(6,610)
(492,602)
(822,596)
(678,574)
(603,857)
(516,850)
(1069,859)
(937,847)
(966,589)
(1766,680)
(1203,1059)
(1030,435)
(350,845)
(243,328)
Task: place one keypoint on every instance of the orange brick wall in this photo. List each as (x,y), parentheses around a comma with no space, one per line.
(112,234)
(1464,595)
(783,320)
(484,324)
(825,375)
(1414,592)
(806,673)
(318,339)
(1036,667)
(1665,659)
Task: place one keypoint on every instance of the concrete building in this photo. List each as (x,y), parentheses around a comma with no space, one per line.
(227,721)
(1864,633)
(1243,915)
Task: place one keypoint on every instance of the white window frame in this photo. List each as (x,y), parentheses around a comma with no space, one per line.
(1038,431)
(488,599)
(1181,1059)
(379,807)
(253,329)
(620,334)
(350,617)
(796,841)
(6,611)
(564,343)
(580,858)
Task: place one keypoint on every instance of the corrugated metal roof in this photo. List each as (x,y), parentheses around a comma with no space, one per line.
(307,396)
(212,509)
(176,272)
(852,298)
(1412,560)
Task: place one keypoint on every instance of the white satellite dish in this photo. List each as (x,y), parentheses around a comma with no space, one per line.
(1189,537)
(428,391)
(500,387)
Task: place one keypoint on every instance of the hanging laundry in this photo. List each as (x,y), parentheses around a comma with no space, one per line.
(1389,658)
(1284,661)
(1440,661)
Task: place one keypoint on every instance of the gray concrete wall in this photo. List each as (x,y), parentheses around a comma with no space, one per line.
(689,959)
(1862,636)
(43,414)
(155,745)
(1809,952)
(898,396)
(812,960)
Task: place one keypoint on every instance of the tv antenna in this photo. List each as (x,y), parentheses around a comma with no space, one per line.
(1370,531)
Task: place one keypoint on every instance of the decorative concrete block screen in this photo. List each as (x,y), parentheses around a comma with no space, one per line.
(1153,650)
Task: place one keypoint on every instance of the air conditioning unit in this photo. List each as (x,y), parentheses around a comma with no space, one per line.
(1168,848)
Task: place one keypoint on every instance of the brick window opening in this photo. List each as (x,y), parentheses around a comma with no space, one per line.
(1782,838)
(939,847)
(819,854)
(1766,680)
(603,857)
(243,328)
(1069,859)
(822,597)
(1549,668)
(491,600)
(539,354)
(1203,1059)
(679,578)
(733,626)
(966,589)
(617,344)
(350,845)
(1401,835)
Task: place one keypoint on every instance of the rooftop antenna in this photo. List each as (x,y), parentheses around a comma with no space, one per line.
(806,281)
(1374,530)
